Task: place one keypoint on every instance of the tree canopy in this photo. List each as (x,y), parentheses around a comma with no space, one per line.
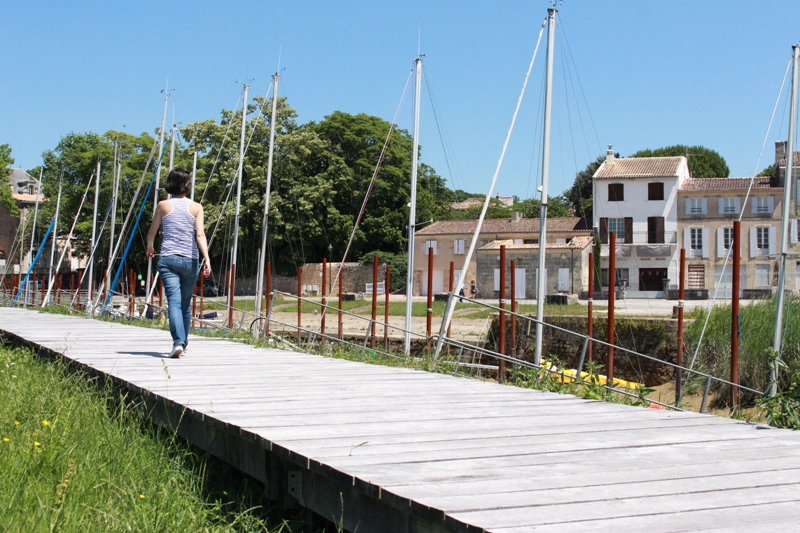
(703,162)
(6,198)
(581,196)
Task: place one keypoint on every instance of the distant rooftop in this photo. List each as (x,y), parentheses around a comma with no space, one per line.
(499,226)
(635,167)
(726,184)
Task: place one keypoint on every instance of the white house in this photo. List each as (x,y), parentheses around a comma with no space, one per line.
(637,199)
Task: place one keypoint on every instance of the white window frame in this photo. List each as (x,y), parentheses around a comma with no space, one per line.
(432,244)
(729,206)
(458,246)
(762,276)
(696,206)
(727,238)
(762,241)
(616,225)
(696,241)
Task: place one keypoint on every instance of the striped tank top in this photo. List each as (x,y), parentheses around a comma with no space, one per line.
(179,230)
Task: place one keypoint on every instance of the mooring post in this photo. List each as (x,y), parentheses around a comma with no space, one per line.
(612,279)
(202,294)
(194,302)
(501,349)
(299,301)
(78,289)
(386,291)
(324,310)
(737,234)
(429,312)
(513,308)
(58,293)
(270,298)
(341,292)
(590,320)
(374,300)
(44,289)
(231,290)
(679,354)
(451,287)
(160,293)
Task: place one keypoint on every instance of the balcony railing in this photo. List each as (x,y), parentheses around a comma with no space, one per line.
(643,237)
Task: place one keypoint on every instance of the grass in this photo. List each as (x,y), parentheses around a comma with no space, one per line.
(74,459)
(756,332)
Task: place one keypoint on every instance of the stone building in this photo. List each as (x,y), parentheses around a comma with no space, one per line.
(24,190)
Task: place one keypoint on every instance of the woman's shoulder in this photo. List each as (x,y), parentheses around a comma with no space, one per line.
(195,208)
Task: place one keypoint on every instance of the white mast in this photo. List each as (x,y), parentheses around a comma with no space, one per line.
(172,148)
(94,229)
(158,179)
(263,253)
(114,190)
(239,189)
(194,167)
(36,209)
(541,279)
(787,199)
(55,228)
(412,212)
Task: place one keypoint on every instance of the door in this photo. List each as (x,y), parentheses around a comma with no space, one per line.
(438,282)
(652,279)
(519,280)
(563,280)
(725,289)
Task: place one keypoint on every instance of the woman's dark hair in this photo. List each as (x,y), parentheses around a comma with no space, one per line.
(179,182)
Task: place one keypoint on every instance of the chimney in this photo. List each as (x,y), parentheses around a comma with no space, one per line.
(610,154)
(780,156)
(515,216)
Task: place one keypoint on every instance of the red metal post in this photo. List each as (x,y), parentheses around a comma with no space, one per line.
(679,355)
(501,373)
(612,279)
(78,288)
(45,281)
(161,293)
(194,302)
(513,308)
(131,293)
(450,290)
(737,234)
(202,293)
(386,292)
(324,295)
(231,289)
(299,302)
(341,292)
(374,299)
(269,294)
(590,319)
(429,313)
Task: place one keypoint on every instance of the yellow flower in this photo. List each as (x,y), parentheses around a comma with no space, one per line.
(36,444)
(6,439)
(35,433)
(141,496)
(45,423)
(16,422)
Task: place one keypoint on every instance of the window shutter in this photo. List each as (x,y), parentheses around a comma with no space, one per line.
(455,247)
(497,279)
(628,229)
(704,204)
(753,205)
(753,242)
(793,231)
(688,206)
(738,203)
(604,230)
(720,205)
(687,238)
(773,238)
(720,242)
(705,242)
(771,203)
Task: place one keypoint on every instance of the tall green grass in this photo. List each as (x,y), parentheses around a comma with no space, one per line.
(756,334)
(74,459)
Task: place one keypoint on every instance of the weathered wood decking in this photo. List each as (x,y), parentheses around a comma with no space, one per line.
(404,450)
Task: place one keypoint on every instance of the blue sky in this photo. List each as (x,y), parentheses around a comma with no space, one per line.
(646,74)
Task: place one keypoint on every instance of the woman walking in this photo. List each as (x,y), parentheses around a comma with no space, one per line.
(184,235)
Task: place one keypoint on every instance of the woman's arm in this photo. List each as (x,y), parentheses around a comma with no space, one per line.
(151,234)
(202,244)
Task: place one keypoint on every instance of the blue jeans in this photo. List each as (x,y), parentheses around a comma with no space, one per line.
(179,275)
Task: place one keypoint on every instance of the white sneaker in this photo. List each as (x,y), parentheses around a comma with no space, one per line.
(177,350)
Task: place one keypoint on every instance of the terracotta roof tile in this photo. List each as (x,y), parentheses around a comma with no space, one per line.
(633,167)
(580,242)
(499,226)
(726,184)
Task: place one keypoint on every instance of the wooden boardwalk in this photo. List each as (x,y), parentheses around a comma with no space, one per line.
(389,449)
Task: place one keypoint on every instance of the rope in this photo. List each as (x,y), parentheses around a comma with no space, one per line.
(741,214)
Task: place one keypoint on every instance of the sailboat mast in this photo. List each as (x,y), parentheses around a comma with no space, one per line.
(412,212)
(263,253)
(94,229)
(541,279)
(172,147)
(235,249)
(36,209)
(194,168)
(53,243)
(114,188)
(787,199)
(158,179)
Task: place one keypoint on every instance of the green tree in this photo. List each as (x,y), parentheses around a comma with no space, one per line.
(6,198)
(580,196)
(768,172)
(703,162)
(557,207)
